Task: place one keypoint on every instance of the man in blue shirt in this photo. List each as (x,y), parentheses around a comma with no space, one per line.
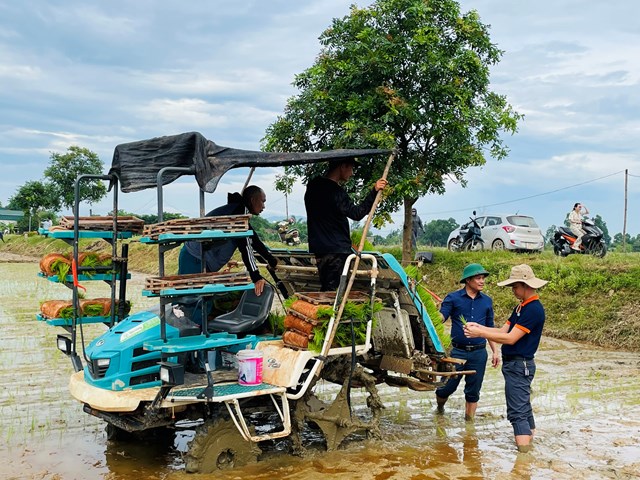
(468,304)
(520,337)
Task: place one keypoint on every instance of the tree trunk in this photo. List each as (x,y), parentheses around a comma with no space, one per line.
(407,250)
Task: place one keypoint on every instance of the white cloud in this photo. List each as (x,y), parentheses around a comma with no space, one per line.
(100,74)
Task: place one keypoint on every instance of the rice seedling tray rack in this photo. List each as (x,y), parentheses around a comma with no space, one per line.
(126,223)
(197,283)
(224,226)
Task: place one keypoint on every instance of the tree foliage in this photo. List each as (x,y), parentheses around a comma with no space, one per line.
(411,75)
(34,196)
(436,232)
(64,169)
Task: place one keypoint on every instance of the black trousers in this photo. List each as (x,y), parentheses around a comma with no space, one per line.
(330,266)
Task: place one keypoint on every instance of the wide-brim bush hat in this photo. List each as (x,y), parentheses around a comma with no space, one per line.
(472,270)
(523,273)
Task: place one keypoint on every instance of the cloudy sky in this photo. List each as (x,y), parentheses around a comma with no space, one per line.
(97,74)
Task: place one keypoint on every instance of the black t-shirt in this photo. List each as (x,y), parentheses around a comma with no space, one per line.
(328,209)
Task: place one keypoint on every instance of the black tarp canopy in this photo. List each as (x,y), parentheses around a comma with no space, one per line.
(137,163)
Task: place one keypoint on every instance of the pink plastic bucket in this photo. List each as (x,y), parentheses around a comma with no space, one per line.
(249,367)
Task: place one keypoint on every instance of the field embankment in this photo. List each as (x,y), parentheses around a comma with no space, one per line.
(593,300)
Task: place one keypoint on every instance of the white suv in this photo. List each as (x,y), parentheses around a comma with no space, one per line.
(510,232)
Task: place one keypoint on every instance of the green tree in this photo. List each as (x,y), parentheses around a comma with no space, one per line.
(151,218)
(64,169)
(37,200)
(412,75)
(394,238)
(266,230)
(549,234)
(436,232)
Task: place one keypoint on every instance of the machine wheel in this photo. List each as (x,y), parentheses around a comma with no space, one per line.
(498,245)
(473,245)
(218,445)
(453,245)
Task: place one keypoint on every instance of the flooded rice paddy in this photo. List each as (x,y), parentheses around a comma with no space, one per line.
(586,401)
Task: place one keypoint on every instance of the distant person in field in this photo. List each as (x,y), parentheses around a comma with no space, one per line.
(416,227)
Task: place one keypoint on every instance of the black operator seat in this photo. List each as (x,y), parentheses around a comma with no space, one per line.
(251,313)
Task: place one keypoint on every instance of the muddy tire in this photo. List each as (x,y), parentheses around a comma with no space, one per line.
(218,445)
(453,245)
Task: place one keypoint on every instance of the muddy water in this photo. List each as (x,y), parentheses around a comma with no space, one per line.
(587,405)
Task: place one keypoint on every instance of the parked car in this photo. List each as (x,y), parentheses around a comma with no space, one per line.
(500,232)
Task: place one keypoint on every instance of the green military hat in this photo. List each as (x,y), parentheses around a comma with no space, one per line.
(472,270)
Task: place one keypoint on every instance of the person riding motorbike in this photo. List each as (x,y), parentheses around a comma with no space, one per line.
(575,223)
(592,241)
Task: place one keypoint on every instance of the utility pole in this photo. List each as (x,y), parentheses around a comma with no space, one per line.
(624,223)
(286,205)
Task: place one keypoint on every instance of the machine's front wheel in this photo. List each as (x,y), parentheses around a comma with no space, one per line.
(218,445)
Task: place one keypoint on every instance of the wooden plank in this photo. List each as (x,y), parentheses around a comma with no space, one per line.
(125,223)
(196,280)
(226,223)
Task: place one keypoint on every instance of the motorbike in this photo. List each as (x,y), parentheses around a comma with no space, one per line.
(289,236)
(469,236)
(592,242)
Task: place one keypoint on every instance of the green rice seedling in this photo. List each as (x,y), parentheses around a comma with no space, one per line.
(430,305)
(276,322)
(61,269)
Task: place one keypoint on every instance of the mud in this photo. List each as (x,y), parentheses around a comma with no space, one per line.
(586,401)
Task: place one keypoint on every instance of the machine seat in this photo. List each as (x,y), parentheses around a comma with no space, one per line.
(251,313)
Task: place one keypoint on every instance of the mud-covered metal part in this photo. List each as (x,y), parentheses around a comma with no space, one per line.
(218,445)
(335,418)
(134,422)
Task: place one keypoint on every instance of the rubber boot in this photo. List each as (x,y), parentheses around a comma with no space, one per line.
(440,401)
